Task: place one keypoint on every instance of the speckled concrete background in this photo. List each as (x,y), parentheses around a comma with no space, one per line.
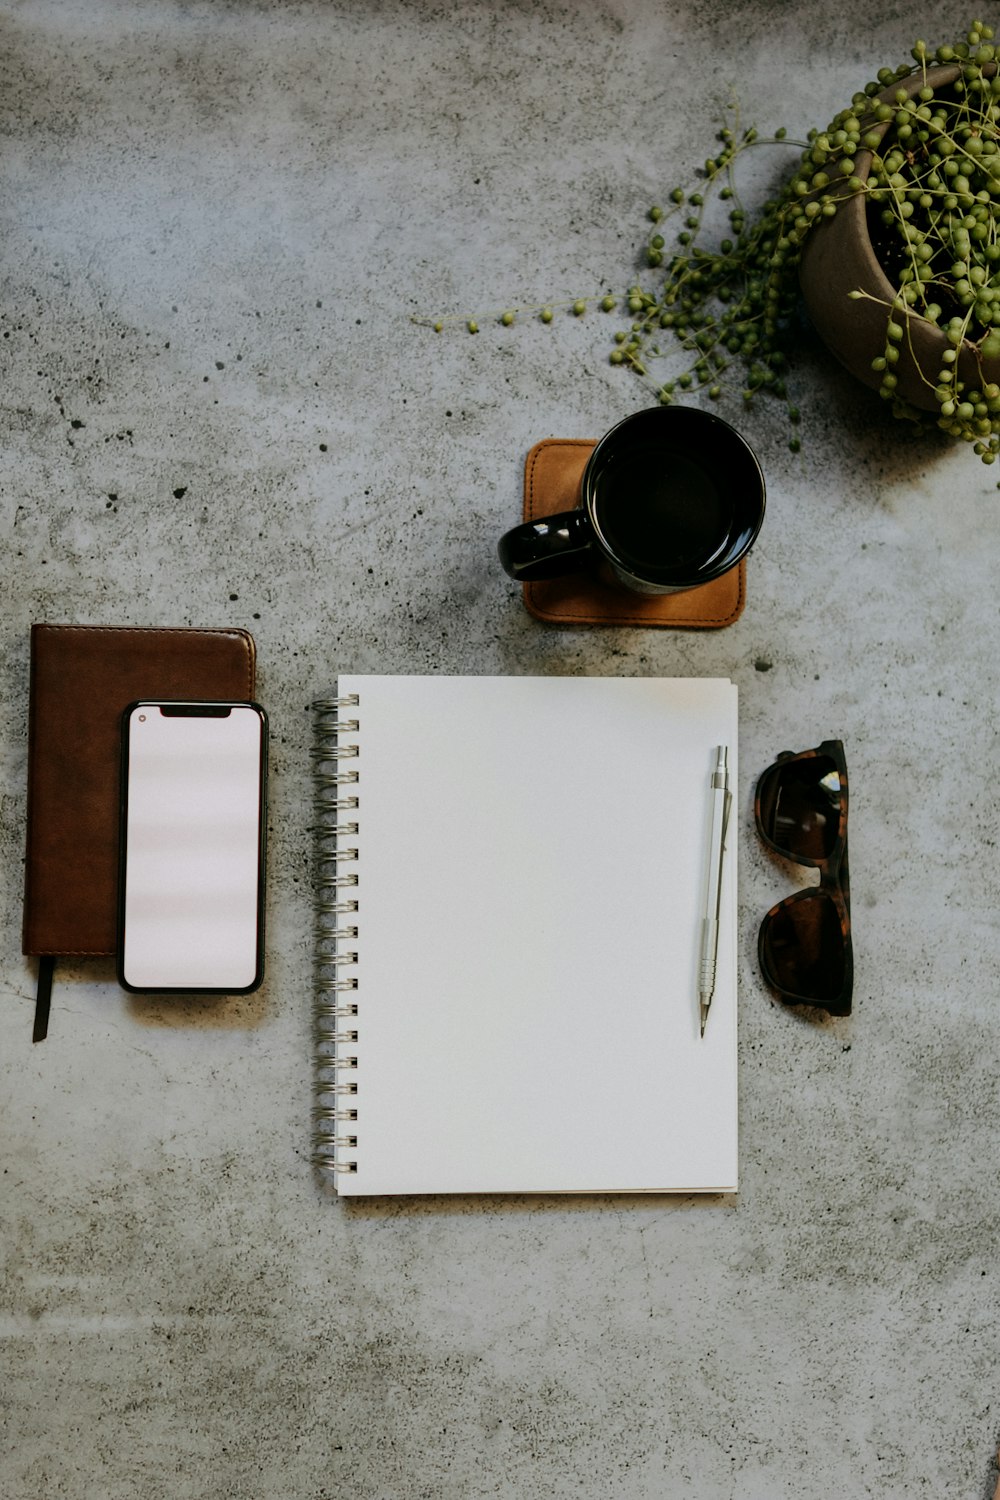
(218,220)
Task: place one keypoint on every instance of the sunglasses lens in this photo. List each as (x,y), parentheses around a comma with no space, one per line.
(800,802)
(803,950)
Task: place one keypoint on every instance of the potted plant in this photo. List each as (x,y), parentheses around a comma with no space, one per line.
(888,228)
(914,245)
(890,225)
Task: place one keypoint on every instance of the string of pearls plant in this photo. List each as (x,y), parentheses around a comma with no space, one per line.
(932,191)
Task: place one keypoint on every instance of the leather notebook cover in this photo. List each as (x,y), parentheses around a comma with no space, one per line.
(552,475)
(82,677)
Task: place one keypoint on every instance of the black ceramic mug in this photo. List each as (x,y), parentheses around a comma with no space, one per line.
(671,498)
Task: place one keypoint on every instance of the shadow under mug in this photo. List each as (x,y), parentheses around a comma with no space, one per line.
(671,498)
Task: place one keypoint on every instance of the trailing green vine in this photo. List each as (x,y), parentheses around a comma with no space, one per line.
(729,307)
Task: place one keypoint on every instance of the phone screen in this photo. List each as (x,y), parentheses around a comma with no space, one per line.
(192,877)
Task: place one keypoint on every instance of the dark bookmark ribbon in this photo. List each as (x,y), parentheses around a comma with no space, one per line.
(43,997)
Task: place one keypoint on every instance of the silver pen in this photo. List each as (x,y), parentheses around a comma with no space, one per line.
(721,800)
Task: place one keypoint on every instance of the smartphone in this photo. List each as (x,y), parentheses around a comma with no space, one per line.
(192,855)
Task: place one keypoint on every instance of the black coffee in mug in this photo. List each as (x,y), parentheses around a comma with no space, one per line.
(659,509)
(671,498)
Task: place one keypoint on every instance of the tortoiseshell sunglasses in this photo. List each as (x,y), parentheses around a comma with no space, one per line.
(804,944)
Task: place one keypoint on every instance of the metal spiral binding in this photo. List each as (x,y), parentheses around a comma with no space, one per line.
(335,1012)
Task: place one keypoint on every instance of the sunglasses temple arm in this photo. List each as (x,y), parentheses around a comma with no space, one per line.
(845,879)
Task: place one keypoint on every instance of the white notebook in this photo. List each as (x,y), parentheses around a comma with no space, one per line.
(509,918)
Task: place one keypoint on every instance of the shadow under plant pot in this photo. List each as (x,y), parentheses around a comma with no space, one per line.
(839,258)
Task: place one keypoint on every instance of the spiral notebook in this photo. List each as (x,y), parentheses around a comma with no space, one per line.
(510,887)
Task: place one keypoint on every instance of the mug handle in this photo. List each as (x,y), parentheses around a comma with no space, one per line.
(548,547)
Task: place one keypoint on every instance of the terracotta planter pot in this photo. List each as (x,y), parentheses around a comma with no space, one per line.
(838,258)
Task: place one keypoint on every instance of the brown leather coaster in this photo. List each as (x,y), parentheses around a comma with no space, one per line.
(552,474)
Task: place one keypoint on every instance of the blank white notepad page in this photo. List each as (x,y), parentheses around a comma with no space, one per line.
(532,858)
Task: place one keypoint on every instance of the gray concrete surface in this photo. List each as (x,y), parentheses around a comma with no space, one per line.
(218,221)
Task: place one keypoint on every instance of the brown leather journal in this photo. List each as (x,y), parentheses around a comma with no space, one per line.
(82,677)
